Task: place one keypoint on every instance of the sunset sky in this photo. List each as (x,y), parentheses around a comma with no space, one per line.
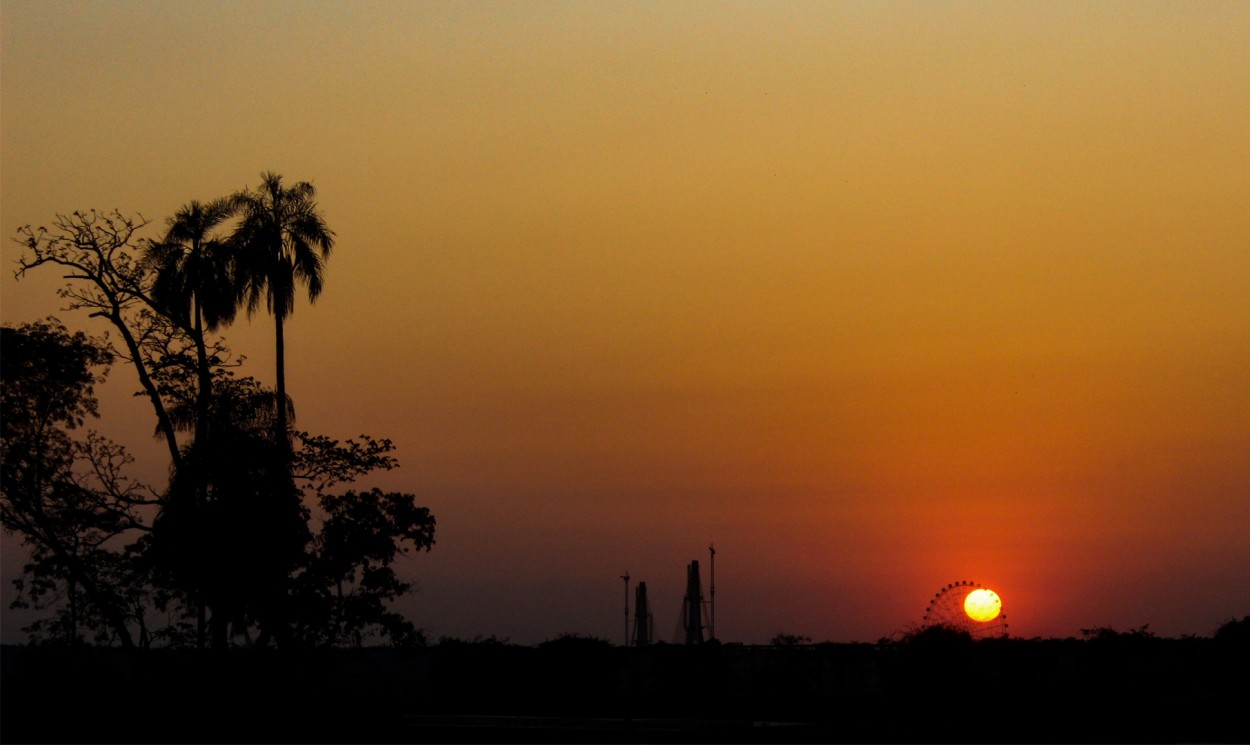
(875,296)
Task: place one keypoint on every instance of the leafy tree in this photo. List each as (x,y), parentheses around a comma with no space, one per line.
(67,498)
(311,581)
(348,577)
(571,640)
(938,635)
(283,241)
(1235,631)
(783,639)
(235,531)
(1110,635)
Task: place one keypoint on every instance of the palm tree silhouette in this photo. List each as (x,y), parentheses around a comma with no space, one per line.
(282,241)
(194,286)
(194,283)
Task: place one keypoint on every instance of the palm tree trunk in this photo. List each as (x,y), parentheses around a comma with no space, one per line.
(282,434)
(201,468)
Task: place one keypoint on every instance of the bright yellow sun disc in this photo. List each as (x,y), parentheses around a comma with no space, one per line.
(982,605)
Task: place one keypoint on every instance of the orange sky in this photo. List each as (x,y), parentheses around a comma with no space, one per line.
(875,296)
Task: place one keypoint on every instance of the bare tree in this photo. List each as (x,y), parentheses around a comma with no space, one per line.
(107,278)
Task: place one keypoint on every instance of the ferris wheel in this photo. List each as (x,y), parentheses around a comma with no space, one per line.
(967,606)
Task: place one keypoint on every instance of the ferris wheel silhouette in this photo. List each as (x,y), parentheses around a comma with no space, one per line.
(946,608)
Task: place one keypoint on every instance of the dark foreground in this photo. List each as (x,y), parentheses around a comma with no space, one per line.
(1125,689)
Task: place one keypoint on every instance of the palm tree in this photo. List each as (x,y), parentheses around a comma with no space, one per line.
(194,286)
(194,282)
(283,241)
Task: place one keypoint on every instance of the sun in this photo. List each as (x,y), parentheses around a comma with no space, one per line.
(983,605)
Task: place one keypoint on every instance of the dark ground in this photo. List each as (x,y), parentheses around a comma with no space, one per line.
(1123,689)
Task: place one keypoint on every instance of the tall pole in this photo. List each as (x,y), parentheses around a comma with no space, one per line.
(642,628)
(712,630)
(625,577)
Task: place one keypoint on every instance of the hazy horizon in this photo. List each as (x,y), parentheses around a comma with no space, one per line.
(873,296)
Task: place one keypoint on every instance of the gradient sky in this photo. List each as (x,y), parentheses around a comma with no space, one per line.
(876,296)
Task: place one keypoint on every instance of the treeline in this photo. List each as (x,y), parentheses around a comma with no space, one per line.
(1103,687)
(251,541)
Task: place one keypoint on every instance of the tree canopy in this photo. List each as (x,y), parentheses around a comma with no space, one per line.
(251,540)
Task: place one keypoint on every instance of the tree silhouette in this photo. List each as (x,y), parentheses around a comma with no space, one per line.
(194,283)
(194,286)
(283,241)
(107,278)
(347,580)
(348,576)
(194,280)
(236,530)
(64,496)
